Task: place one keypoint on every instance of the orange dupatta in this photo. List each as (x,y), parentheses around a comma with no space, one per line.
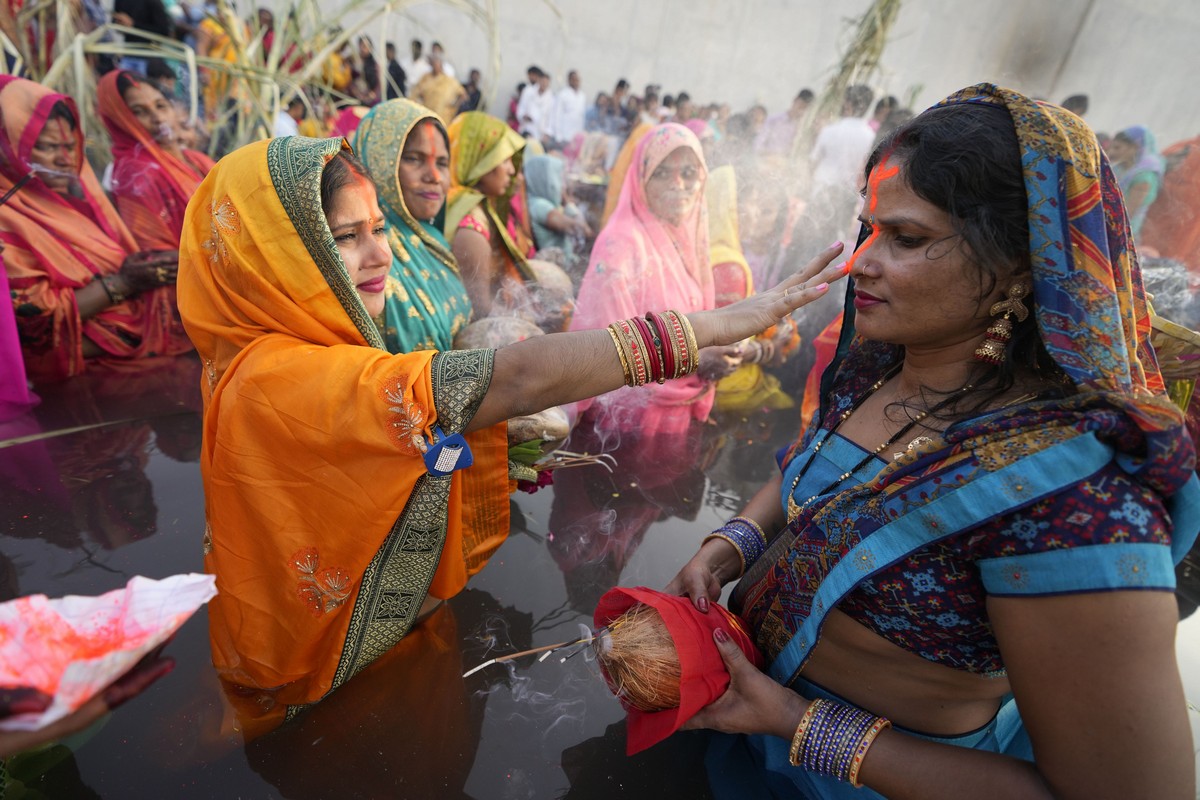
(55,244)
(325,531)
(151,187)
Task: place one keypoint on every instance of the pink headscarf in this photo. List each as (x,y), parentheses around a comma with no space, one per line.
(700,128)
(641,263)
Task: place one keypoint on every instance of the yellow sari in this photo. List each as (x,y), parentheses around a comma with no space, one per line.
(325,531)
(749,388)
(215,41)
(479,143)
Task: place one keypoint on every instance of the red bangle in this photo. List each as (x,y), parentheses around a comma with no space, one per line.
(652,353)
(669,368)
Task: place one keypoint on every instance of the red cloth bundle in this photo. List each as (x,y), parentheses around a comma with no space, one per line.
(703,677)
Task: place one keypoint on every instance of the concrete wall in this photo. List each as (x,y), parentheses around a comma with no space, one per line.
(1137,59)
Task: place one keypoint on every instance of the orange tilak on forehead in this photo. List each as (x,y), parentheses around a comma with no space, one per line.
(431,137)
(879,174)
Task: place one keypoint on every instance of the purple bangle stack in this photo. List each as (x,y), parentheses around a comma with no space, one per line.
(833,738)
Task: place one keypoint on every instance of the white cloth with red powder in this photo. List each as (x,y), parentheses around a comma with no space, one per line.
(72,648)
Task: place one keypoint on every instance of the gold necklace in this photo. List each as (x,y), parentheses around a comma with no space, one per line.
(794,508)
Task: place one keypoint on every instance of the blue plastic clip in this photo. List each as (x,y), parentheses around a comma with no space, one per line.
(447,454)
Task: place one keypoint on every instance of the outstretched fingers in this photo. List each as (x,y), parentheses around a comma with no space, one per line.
(810,271)
(813,281)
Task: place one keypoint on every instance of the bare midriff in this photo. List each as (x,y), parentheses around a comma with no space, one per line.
(860,665)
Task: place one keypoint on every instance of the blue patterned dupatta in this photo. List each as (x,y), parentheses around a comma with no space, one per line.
(1092,317)
(425,303)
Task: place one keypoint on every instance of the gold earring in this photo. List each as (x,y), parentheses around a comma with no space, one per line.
(1000,332)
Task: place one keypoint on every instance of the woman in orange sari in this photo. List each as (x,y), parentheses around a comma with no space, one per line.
(80,288)
(1173,223)
(153,175)
(330,531)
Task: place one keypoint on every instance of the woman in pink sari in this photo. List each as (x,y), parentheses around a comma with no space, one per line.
(153,175)
(654,250)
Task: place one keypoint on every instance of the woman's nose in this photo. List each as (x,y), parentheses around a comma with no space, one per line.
(383,253)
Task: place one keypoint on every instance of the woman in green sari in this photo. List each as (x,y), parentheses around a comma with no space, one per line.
(406,150)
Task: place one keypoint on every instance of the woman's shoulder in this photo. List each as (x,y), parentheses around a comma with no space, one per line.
(477,220)
(1100,522)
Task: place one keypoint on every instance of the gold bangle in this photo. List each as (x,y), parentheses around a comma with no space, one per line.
(620,354)
(860,752)
(115,295)
(693,350)
(801,730)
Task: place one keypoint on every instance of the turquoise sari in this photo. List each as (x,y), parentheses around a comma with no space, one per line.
(426,303)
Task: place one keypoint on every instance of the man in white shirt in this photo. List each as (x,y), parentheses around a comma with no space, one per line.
(535,110)
(527,94)
(569,108)
(287,120)
(838,159)
(415,67)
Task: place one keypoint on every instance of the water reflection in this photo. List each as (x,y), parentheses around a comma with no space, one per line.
(598,518)
(407,725)
(73,472)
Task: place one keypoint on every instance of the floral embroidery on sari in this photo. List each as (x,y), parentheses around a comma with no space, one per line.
(322,590)
(406,421)
(223,222)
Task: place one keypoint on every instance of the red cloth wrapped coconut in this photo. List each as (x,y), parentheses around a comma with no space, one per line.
(703,675)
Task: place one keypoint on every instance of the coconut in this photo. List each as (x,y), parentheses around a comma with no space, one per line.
(492,332)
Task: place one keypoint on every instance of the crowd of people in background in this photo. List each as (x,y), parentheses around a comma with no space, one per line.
(798,177)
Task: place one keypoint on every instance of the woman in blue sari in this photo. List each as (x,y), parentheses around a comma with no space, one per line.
(405,148)
(987,510)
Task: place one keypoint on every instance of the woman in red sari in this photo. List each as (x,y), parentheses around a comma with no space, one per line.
(153,175)
(80,288)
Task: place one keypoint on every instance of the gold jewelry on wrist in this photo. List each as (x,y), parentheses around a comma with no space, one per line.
(801,729)
(860,753)
(115,295)
(612,331)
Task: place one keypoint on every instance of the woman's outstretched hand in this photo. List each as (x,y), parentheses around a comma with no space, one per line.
(756,313)
(753,703)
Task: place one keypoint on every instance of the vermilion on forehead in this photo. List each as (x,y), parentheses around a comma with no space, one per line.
(881,173)
(360,196)
(431,139)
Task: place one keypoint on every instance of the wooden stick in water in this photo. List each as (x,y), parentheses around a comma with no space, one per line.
(511,656)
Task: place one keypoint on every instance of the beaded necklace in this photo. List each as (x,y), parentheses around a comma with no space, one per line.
(794,509)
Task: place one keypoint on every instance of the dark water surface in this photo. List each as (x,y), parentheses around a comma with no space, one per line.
(82,512)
